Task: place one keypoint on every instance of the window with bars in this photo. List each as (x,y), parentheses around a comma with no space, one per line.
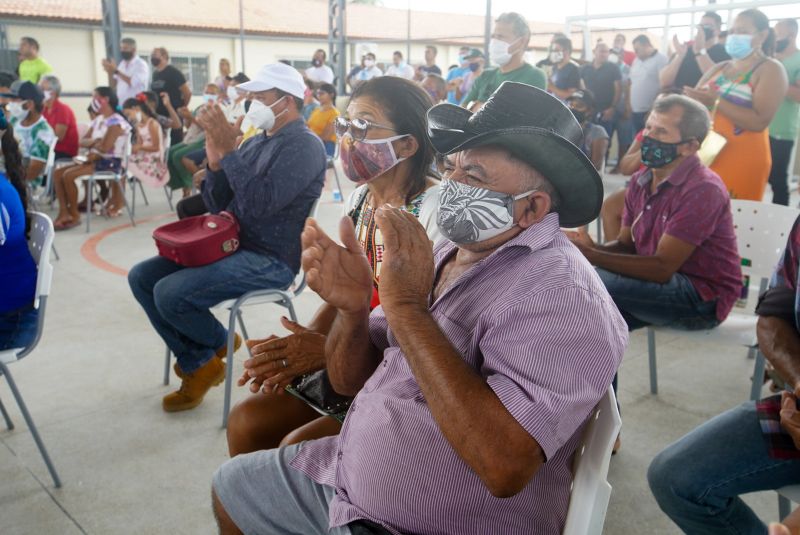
(194,68)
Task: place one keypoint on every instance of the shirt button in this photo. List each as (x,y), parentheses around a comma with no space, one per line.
(339,456)
(648,206)
(385,363)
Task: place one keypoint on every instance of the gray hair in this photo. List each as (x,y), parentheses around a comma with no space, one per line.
(55,83)
(534,180)
(518,23)
(694,123)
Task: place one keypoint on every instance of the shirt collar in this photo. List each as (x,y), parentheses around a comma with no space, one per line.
(678,176)
(289,128)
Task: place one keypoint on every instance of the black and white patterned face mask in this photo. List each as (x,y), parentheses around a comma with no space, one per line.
(468,214)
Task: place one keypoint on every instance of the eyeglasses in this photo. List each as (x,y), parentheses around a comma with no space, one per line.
(358,128)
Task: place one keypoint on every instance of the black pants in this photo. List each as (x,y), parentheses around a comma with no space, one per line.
(781,150)
(190,206)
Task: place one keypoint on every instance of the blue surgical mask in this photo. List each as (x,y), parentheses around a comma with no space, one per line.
(739,45)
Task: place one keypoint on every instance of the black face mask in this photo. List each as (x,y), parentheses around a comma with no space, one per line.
(657,154)
(580,116)
(126,55)
(156,61)
(709,32)
(781,44)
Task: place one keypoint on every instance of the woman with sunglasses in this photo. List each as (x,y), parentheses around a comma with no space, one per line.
(383,146)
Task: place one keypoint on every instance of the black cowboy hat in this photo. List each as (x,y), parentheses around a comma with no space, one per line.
(539,130)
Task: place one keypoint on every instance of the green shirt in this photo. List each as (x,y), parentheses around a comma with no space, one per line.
(787,120)
(34,140)
(32,69)
(488,82)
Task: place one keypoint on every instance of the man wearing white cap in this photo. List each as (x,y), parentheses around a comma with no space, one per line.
(269,183)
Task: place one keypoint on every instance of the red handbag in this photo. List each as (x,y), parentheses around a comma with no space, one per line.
(199,240)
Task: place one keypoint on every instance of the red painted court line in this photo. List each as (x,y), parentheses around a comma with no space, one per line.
(89,247)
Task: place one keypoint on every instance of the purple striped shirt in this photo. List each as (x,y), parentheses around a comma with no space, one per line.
(535,321)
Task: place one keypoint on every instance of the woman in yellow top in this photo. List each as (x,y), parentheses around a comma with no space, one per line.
(321,120)
(746,93)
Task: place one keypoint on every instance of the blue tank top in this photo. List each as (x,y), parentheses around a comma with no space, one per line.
(17,267)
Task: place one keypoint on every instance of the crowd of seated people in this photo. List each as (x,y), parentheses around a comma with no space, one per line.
(455,261)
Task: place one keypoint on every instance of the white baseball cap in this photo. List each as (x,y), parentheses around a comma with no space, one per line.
(276,76)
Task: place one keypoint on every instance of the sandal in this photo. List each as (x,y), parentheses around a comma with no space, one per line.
(66,225)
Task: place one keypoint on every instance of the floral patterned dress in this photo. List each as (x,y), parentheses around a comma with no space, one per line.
(149,167)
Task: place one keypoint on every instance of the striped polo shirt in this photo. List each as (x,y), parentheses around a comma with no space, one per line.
(535,321)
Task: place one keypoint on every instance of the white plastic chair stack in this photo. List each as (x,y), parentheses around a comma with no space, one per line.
(591,490)
(40,245)
(761,233)
(233,306)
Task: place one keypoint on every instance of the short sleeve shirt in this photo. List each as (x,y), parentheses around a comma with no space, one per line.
(645,83)
(35,140)
(60,113)
(693,206)
(601,82)
(32,70)
(592,132)
(566,77)
(320,119)
(168,81)
(787,272)
(17,268)
(488,82)
(321,74)
(787,119)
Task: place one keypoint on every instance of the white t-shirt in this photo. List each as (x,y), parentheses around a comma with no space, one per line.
(321,74)
(368,74)
(406,71)
(428,210)
(645,84)
(139,73)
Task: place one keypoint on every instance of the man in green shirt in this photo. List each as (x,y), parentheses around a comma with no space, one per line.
(506,49)
(32,67)
(784,127)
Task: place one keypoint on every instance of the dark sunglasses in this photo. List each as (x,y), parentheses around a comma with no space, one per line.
(358,128)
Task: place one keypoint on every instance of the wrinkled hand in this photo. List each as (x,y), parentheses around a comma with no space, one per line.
(680,48)
(109,66)
(220,135)
(704,96)
(340,275)
(302,352)
(699,40)
(581,239)
(790,417)
(407,268)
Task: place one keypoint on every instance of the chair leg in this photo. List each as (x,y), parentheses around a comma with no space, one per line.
(128,208)
(144,195)
(241,324)
(89,205)
(6,417)
(133,199)
(168,193)
(167,362)
(31,426)
(651,352)
(55,252)
(784,506)
(229,366)
(758,377)
(338,185)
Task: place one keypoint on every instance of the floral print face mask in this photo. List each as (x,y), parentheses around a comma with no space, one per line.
(468,214)
(367,159)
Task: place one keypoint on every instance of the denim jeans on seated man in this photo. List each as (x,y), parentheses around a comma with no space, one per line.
(177,299)
(697,480)
(675,304)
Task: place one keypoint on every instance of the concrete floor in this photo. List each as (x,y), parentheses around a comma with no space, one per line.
(94,389)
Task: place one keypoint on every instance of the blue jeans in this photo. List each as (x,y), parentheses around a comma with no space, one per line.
(624,129)
(18,327)
(674,304)
(698,479)
(177,299)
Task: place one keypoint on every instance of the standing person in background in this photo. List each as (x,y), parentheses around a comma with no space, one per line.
(645,84)
(455,77)
(31,66)
(224,74)
(743,95)
(691,60)
(603,79)
(319,73)
(60,117)
(167,79)
(323,117)
(510,39)
(430,66)
(399,67)
(565,78)
(784,127)
(625,56)
(18,318)
(130,77)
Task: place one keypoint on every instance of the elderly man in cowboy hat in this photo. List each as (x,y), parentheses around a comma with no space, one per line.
(476,375)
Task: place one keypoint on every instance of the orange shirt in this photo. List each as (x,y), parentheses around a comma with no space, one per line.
(320,119)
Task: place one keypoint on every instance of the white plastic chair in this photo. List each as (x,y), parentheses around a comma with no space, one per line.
(40,244)
(787,495)
(119,177)
(233,306)
(590,487)
(761,233)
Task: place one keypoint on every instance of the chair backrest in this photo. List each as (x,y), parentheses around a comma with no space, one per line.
(40,244)
(590,488)
(761,233)
(300,280)
(51,159)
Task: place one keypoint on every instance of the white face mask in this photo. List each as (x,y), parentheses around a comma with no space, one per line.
(48,95)
(138,117)
(556,56)
(369,63)
(498,51)
(233,94)
(613,58)
(17,111)
(261,116)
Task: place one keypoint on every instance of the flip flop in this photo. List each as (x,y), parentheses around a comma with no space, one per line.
(66,226)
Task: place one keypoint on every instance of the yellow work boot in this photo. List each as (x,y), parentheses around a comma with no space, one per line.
(220,354)
(194,386)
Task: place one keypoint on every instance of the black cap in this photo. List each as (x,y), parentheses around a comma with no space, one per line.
(25,91)
(585,95)
(474,53)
